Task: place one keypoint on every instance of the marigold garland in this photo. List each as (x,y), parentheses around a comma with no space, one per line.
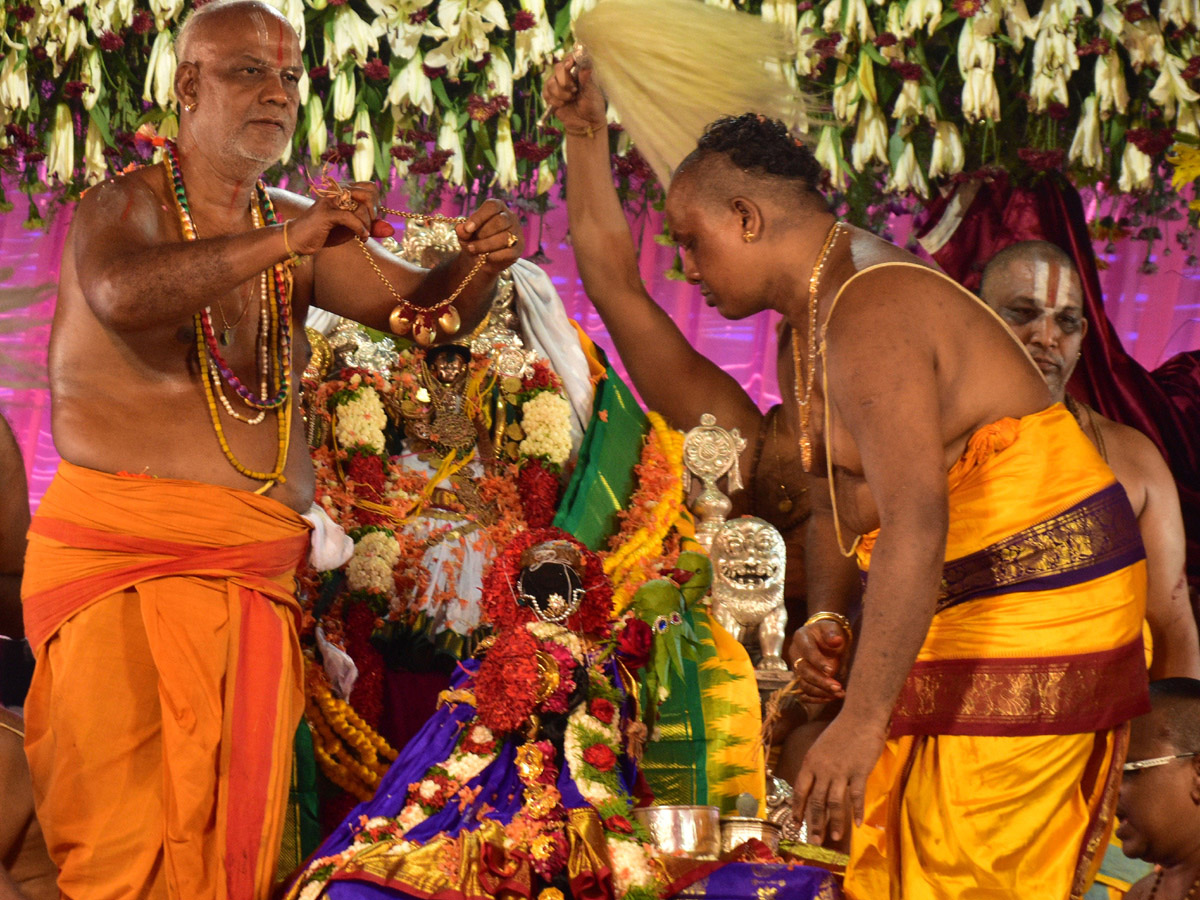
(351,753)
(654,509)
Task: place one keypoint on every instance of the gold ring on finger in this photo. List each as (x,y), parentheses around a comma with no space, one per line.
(512,239)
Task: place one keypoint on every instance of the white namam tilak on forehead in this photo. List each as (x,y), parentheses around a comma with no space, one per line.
(1049,287)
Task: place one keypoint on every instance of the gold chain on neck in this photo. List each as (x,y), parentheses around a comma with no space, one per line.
(804,400)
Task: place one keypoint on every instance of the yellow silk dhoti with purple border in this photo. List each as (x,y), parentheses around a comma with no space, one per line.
(1000,773)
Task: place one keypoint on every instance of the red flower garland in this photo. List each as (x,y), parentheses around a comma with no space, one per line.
(602,709)
(633,643)
(500,607)
(506,686)
(600,756)
(539,490)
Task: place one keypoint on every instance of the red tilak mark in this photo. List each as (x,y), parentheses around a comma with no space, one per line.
(1052,286)
(128,208)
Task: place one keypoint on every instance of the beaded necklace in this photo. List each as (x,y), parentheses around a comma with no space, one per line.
(277,334)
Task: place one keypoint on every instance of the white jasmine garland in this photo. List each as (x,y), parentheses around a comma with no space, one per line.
(546,421)
(371,567)
(361,420)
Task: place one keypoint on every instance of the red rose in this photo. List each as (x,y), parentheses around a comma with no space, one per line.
(602,709)
(634,643)
(619,824)
(600,756)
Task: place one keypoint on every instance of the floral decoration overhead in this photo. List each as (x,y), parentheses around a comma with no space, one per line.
(445,93)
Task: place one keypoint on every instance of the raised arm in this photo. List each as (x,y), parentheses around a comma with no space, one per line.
(1172,626)
(895,424)
(670,375)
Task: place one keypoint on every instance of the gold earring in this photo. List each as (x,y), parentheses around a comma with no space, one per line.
(748,236)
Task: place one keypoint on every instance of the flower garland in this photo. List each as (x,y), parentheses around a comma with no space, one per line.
(351,753)
(592,748)
(641,546)
(500,606)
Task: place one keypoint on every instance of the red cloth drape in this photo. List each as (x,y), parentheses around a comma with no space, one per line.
(970,225)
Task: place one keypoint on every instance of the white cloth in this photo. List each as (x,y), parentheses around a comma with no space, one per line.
(549,331)
(329,546)
(339,667)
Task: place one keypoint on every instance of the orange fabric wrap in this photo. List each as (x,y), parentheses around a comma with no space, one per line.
(168,683)
(1008,800)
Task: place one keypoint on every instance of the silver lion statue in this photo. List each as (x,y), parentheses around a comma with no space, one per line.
(748,558)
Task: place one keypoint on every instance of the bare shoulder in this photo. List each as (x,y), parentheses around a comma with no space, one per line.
(135,201)
(288,204)
(1130,446)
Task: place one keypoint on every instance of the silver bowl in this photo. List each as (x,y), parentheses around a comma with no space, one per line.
(736,830)
(693,831)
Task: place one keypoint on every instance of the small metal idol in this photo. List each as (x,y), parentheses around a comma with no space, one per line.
(748,557)
(709,452)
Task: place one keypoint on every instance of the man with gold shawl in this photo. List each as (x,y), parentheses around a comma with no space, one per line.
(980,741)
(159,590)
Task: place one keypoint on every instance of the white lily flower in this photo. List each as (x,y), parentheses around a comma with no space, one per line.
(168,127)
(1135,169)
(60,153)
(317,135)
(411,88)
(448,139)
(1170,89)
(975,50)
(160,72)
(500,76)
(91,74)
(870,139)
(467,24)
(506,157)
(919,13)
(14,82)
(946,156)
(345,93)
(393,19)
(908,101)
(165,12)
(1188,121)
(827,153)
(95,166)
(894,23)
(578,7)
(1143,41)
(1049,87)
(1111,93)
(783,12)
(1111,19)
(347,35)
(845,95)
(1086,147)
(907,176)
(979,97)
(362,164)
(303,86)
(66,31)
(806,41)
(1018,24)
(545,177)
(534,46)
(1180,13)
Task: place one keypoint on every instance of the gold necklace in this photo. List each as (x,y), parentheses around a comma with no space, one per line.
(804,400)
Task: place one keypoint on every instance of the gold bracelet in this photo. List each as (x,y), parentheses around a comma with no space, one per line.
(294,258)
(587,132)
(838,618)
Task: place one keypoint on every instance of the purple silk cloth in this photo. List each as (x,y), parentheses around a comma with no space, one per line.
(1164,404)
(750,881)
(499,788)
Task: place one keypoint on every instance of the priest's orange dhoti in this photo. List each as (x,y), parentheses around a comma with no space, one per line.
(1000,773)
(168,683)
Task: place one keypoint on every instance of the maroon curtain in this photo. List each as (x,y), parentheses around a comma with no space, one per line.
(978,219)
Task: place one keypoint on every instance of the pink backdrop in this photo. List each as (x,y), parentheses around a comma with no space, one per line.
(1156,315)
